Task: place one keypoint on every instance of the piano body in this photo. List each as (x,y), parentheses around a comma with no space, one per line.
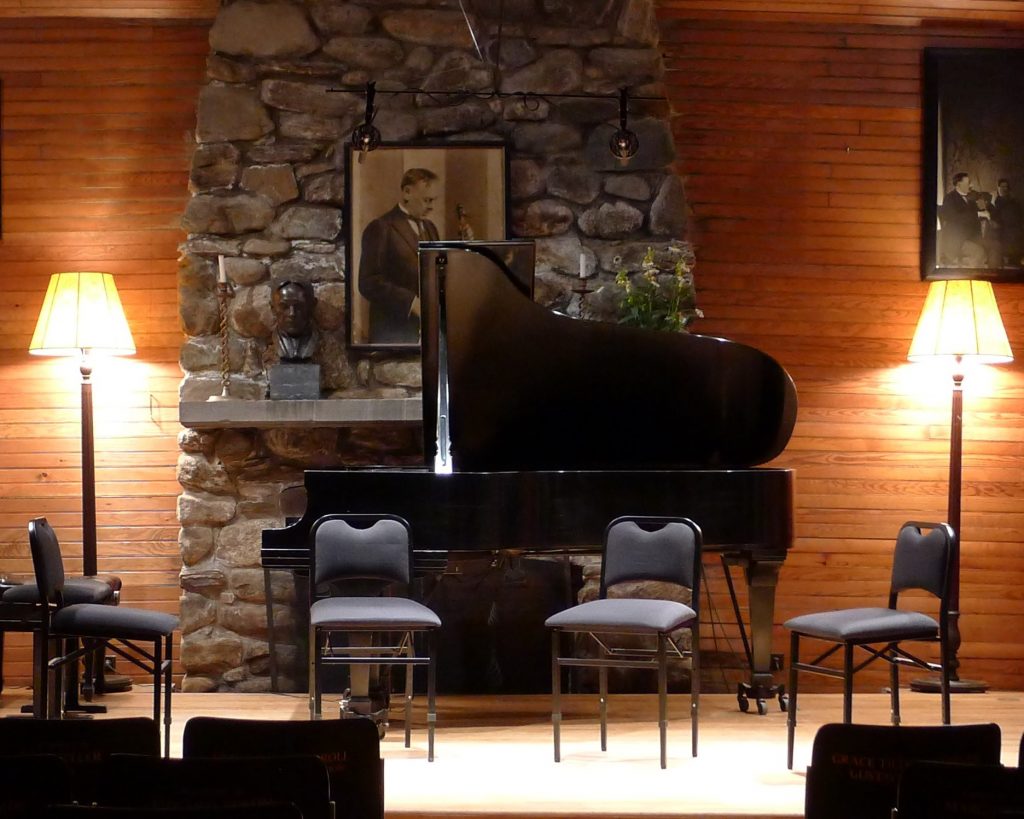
(539,429)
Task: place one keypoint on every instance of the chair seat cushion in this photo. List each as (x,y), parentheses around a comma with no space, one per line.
(76,590)
(90,620)
(372,612)
(866,624)
(624,615)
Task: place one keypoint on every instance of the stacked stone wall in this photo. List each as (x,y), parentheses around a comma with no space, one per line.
(281,100)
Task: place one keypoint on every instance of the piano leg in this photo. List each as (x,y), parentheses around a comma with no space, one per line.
(762,578)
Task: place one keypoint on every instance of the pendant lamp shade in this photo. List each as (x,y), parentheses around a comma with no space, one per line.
(82,313)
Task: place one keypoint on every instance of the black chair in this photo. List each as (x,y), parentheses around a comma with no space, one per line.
(922,560)
(637,549)
(20,612)
(949,790)
(82,744)
(159,782)
(31,782)
(350,748)
(117,628)
(855,769)
(359,573)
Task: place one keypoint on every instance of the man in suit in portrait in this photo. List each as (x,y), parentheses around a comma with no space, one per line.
(961,239)
(389,276)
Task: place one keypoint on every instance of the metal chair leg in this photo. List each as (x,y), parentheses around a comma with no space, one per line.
(794,658)
(894,693)
(408,692)
(848,682)
(602,676)
(694,687)
(663,700)
(431,704)
(556,696)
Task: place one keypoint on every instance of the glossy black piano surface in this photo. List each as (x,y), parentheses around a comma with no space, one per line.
(556,425)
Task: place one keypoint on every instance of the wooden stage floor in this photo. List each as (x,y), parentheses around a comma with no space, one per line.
(494,755)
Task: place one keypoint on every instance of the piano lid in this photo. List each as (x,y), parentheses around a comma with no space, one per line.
(530,389)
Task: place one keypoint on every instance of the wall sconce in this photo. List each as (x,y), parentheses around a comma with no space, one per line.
(82,316)
(366,137)
(624,143)
(959,324)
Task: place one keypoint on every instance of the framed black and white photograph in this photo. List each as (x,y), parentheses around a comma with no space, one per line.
(973,173)
(397,196)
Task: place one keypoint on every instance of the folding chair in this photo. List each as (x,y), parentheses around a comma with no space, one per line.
(158,782)
(82,744)
(359,574)
(637,548)
(121,629)
(948,790)
(855,769)
(350,748)
(922,560)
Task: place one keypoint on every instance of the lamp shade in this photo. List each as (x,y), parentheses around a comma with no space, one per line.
(82,313)
(960,321)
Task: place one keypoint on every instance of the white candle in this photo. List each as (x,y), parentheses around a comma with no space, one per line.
(583,265)
(222,274)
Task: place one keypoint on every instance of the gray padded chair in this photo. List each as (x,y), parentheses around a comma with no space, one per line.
(360,570)
(636,549)
(95,625)
(922,560)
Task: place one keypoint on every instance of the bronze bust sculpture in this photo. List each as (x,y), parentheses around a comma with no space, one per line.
(297,338)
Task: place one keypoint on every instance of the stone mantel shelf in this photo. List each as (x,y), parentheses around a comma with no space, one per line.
(327,412)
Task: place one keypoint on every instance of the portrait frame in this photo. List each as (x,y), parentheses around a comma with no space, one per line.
(471,188)
(973,123)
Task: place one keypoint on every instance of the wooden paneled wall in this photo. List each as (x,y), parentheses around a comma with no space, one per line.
(96,122)
(798,134)
(800,144)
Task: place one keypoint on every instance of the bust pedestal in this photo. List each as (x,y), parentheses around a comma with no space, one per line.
(294,381)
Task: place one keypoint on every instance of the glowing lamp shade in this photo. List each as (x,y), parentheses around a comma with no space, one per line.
(960,321)
(82,313)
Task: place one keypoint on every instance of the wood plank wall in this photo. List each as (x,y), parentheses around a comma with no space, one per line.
(97,119)
(800,147)
(798,137)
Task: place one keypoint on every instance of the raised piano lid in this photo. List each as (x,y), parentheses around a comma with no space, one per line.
(530,389)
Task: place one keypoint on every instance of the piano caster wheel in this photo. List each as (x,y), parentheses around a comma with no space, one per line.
(762,708)
(783,702)
(743,702)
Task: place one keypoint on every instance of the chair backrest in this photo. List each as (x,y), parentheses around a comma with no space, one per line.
(81,744)
(653,549)
(949,790)
(30,782)
(922,560)
(855,769)
(145,781)
(46,560)
(350,748)
(375,548)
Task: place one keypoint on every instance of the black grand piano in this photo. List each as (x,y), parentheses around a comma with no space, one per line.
(540,428)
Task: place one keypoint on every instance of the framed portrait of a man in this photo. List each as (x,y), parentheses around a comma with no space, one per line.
(973,173)
(397,196)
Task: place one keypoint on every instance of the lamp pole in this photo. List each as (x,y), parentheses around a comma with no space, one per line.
(89,562)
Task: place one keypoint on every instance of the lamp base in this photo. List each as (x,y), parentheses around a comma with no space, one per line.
(933,685)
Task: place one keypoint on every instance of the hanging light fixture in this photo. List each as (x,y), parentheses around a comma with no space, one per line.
(624,143)
(366,137)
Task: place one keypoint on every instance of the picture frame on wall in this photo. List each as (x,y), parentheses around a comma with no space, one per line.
(396,196)
(973,164)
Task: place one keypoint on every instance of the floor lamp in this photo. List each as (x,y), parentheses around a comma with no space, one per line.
(82,316)
(961,326)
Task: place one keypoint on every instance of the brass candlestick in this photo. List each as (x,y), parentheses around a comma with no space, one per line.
(225,292)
